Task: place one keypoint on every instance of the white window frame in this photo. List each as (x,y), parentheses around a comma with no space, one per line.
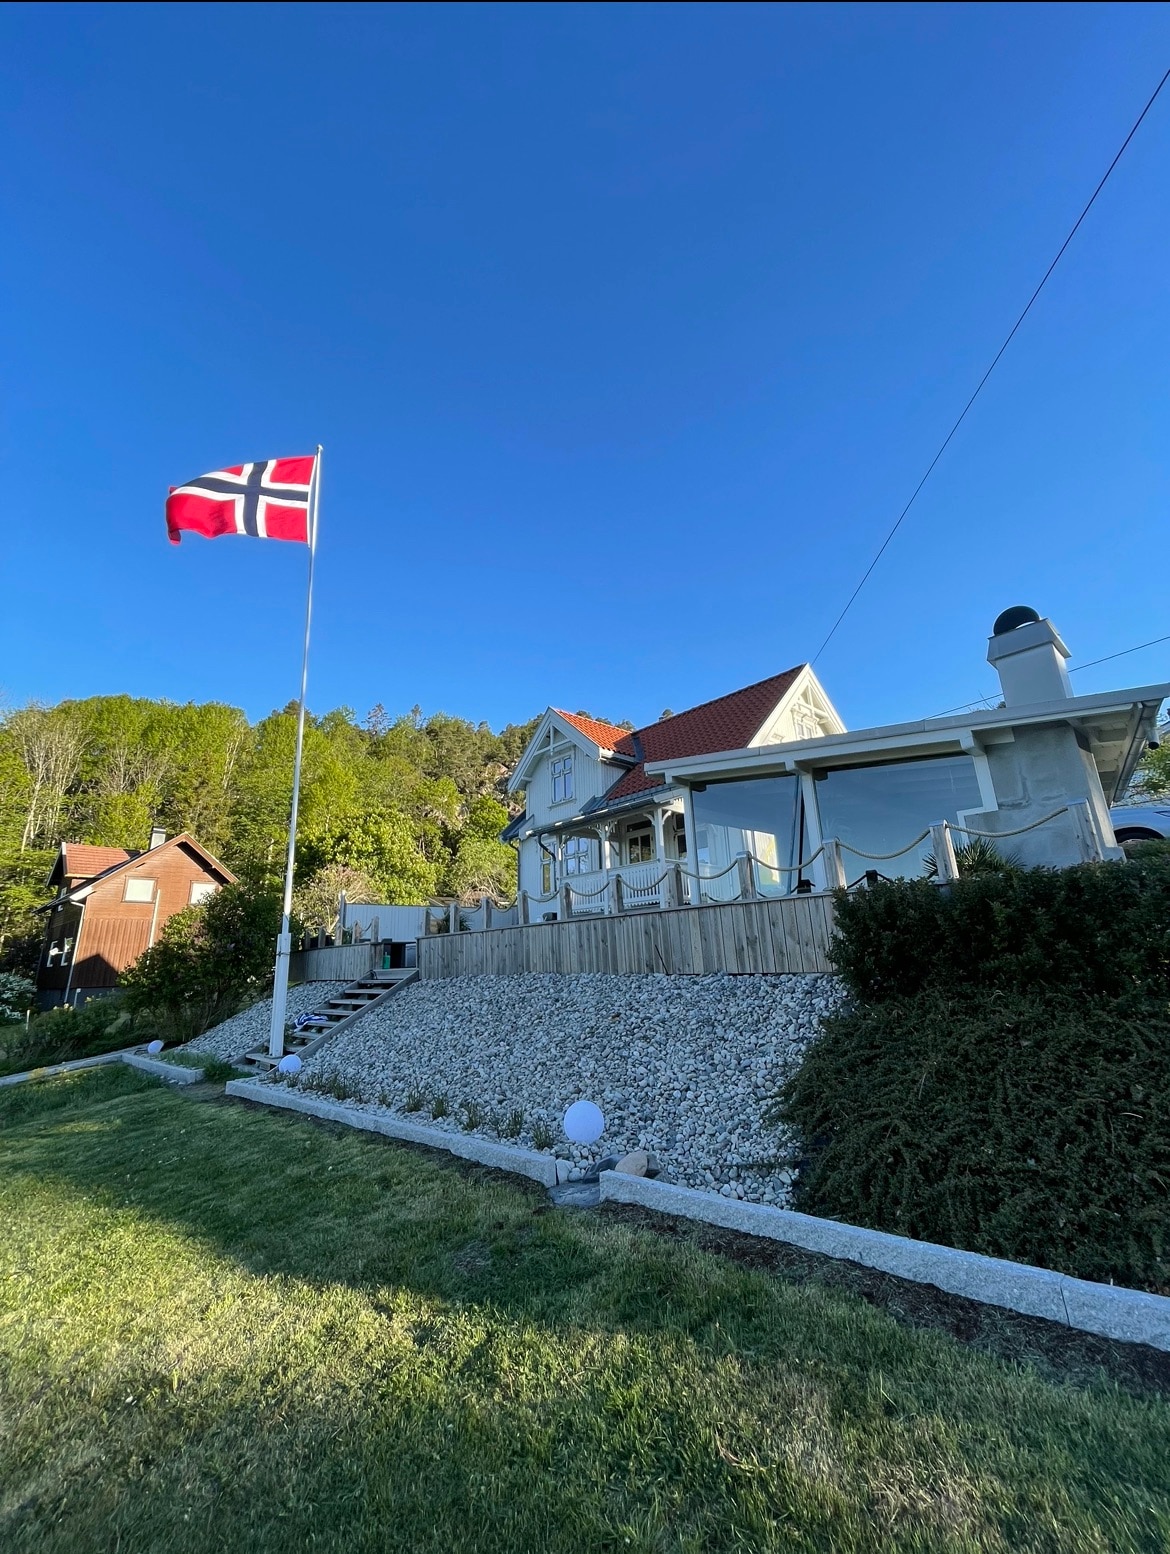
(201,891)
(560,771)
(138,879)
(641,838)
(577,855)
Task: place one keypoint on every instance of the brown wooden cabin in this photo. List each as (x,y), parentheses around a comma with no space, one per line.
(111,905)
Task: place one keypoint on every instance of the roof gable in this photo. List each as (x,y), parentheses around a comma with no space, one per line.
(83,861)
(126,860)
(728,723)
(601,740)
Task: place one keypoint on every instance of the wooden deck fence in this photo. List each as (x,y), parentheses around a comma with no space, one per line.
(786,935)
(336,963)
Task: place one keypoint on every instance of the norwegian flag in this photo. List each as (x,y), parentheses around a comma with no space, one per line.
(268,500)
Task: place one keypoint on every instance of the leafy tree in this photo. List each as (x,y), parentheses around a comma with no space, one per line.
(315,902)
(1152,779)
(483,867)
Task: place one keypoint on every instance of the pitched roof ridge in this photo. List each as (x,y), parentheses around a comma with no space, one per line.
(781,674)
(578,719)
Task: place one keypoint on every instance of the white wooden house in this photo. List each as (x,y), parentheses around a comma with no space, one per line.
(594,810)
(764,791)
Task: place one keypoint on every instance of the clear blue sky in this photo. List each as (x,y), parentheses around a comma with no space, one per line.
(627,330)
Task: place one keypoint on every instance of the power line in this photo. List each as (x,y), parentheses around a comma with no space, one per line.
(1075,669)
(995,362)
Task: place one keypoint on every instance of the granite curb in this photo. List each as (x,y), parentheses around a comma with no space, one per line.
(502,1157)
(173,1073)
(1110,1311)
(72,1067)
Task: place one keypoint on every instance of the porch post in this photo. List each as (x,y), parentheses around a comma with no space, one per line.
(834,865)
(524,913)
(747,880)
(566,902)
(605,832)
(946,867)
(691,833)
(659,833)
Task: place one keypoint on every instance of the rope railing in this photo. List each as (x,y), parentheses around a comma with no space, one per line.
(885,857)
(831,847)
(788,868)
(1019,831)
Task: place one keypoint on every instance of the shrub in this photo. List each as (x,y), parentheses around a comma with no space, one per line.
(16,996)
(542,1135)
(63,1034)
(440,1107)
(1021,1124)
(209,962)
(1100,930)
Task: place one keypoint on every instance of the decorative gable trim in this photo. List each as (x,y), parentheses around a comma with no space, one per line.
(559,723)
(805,702)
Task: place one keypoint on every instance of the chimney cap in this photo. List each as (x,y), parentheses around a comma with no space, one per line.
(1016,615)
(158,836)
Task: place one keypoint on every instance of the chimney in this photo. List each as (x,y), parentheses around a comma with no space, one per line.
(157,837)
(1029,657)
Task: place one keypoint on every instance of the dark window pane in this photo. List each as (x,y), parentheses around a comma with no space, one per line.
(758,815)
(878,809)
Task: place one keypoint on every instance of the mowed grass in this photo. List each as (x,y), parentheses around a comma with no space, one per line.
(222,1329)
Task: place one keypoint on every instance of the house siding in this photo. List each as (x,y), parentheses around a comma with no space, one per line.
(591,778)
(114,931)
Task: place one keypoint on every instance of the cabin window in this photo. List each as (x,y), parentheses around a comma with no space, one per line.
(884,806)
(200,891)
(67,952)
(139,890)
(577,855)
(640,845)
(546,876)
(760,816)
(562,778)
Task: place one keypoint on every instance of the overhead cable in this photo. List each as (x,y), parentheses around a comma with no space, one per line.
(995,362)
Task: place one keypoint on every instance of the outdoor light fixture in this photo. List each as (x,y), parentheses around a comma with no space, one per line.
(289,1064)
(154,1047)
(584,1122)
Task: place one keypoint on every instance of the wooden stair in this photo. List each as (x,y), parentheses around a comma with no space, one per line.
(340,1011)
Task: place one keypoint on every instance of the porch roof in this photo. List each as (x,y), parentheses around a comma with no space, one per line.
(590,815)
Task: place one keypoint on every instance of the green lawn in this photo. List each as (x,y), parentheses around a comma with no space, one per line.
(222,1329)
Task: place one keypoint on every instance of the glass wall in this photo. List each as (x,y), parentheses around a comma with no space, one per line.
(759,815)
(878,809)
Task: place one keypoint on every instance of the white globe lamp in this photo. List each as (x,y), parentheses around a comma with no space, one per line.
(289,1064)
(154,1047)
(584,1122)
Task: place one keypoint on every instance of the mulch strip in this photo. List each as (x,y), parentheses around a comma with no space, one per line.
(1062,1353)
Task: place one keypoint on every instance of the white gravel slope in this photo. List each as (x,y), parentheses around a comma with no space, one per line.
(682,1066)
(244,1030)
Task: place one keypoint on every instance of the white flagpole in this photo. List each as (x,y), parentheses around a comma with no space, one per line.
(284,943)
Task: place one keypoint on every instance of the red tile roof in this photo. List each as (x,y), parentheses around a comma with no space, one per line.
(607,735)
(727,723)
(82,861)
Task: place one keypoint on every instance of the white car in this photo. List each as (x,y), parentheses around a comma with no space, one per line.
(1141,822)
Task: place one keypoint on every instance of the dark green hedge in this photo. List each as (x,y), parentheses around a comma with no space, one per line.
(1099,930)
(1016,1124)
(1001,1079)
